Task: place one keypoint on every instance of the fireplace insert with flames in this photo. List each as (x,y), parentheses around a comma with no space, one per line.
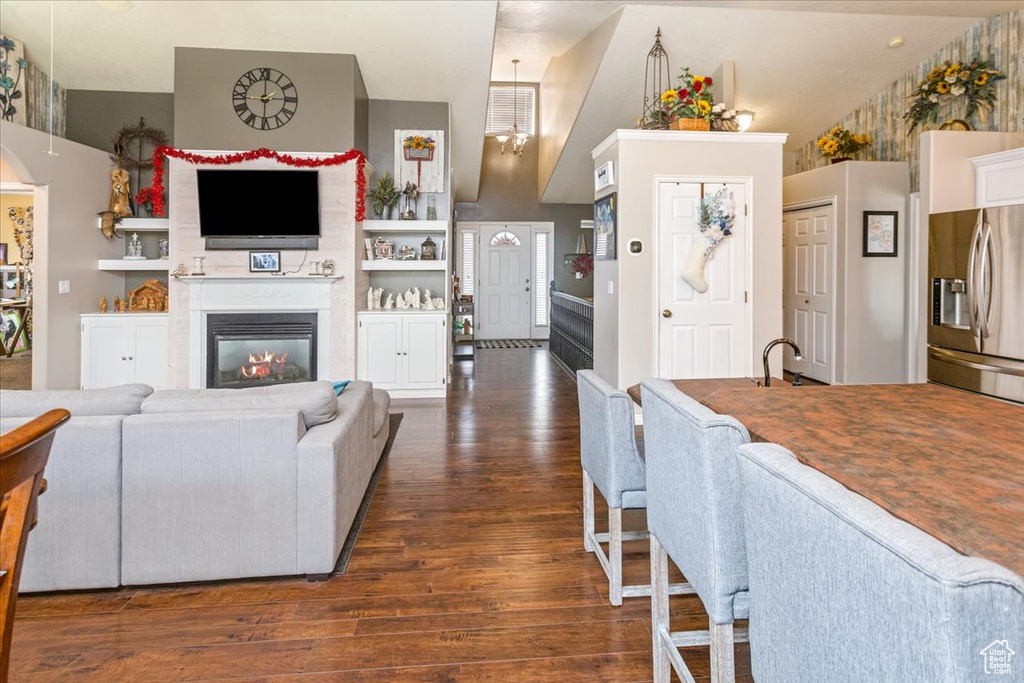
(259,349)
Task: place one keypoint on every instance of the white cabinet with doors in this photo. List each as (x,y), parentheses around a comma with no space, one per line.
(404,353)
(999,178)
(122,348)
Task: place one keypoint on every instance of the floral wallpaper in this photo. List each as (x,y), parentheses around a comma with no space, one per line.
(999,39)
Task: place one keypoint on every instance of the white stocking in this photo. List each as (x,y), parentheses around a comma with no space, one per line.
(693,269)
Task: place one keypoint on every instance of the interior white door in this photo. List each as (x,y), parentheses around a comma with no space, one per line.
(701,334)
(807,290)
(504,296)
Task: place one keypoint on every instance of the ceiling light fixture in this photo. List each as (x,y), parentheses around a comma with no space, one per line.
(744,117)
(517,139)
(896,41)
(50,115)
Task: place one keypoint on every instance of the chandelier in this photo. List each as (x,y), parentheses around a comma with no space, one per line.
(513,135)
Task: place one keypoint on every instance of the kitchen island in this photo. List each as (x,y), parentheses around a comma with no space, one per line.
(947,461)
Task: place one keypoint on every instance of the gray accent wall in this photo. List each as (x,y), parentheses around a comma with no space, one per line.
(324,121)
(508,192)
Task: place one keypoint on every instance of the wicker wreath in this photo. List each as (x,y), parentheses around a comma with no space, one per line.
(130,138)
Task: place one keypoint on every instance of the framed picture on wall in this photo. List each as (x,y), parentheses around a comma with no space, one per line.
(604,227)
(881,233)
(264,262)
(12,332)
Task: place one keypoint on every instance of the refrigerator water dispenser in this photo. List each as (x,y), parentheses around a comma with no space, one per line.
(949,303)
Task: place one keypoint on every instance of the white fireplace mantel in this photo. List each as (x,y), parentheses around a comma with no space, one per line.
(279,294)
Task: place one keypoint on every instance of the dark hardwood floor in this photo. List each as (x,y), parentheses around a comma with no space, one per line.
(469,568)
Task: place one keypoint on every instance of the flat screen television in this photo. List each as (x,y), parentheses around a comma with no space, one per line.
(253,209)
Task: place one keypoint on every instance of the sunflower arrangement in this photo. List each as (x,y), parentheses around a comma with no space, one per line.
(693,98)
(975,81)
(840,142)
(418,142)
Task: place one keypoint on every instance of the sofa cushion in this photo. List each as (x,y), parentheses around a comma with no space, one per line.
(125,399)
(315,400)
(381,404)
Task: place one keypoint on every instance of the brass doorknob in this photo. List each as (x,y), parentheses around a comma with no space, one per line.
(666,313)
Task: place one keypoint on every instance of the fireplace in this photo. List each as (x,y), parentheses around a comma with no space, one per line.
(260,349)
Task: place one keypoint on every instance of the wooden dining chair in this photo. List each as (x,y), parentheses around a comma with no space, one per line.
(23,455)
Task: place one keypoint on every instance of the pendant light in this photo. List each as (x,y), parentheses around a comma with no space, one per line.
(517,139)
(50,151)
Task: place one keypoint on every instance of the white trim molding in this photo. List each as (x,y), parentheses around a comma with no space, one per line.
(687,136)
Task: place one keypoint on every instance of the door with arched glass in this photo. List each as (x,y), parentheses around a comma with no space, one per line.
(503,302)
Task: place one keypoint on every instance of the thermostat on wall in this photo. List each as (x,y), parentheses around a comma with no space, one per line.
(635,247)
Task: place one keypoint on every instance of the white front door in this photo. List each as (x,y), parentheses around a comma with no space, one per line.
(701,334)
(807,290)
(504,296)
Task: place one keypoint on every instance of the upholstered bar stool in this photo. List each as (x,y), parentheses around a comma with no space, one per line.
(841,590)
(694,517)
(613,461)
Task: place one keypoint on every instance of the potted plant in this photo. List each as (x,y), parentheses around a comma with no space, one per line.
(582,265)
(384,195)
(689,106)
(840,144)
(952,80)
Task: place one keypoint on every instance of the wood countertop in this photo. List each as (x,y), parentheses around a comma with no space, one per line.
(947,461)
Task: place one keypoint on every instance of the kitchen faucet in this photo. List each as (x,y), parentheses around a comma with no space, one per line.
(771,345)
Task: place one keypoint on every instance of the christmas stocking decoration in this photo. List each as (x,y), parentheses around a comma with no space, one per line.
(693,268)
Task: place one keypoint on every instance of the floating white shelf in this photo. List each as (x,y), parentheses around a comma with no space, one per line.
(116,264)
(405,226)
(404,265)
(142,224)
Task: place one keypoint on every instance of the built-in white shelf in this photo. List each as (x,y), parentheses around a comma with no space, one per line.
(142,224)
(403,311)
(116,264)
(382,264)
(405,226)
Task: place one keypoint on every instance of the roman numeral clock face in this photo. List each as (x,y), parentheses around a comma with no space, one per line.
(264,98)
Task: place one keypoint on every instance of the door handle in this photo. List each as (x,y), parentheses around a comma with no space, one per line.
(666,313)
(984,301)
(527,289)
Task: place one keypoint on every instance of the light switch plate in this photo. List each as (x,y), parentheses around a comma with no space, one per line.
(64,287)
(611,287)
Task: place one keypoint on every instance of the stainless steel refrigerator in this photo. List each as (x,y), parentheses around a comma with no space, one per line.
(976,330)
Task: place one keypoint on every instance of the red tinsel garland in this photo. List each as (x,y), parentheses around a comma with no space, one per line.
(262,153)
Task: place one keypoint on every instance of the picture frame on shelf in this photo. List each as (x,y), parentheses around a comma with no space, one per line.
(3,253)
(264,261)
(881,234)
(604,227)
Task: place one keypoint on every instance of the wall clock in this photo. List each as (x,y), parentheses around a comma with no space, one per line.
(264,98)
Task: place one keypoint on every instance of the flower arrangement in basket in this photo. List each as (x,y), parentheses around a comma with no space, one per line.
(841,143)
(689,106)
(975,81)
(418,148)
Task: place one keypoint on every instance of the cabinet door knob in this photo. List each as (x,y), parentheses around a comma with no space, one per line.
(124,357)
(131,357)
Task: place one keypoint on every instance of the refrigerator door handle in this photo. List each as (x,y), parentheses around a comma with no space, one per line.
(986,276)
(972,291)
(1002,366)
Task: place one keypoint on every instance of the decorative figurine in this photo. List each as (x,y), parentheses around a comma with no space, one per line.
(383,249)
(135,249)
(197,268)
(103,304)
(119,193)
(438,304)
(327,268)
(150,296)
(369,298)
(377,294)
(401,303)
(415,301)
(390,303)
(163,247)
(180,271)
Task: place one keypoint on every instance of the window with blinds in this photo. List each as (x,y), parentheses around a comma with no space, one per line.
(540,280)
(504,104)
(467,261)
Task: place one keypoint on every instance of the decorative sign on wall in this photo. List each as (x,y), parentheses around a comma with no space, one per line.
(604,176)
(419,158)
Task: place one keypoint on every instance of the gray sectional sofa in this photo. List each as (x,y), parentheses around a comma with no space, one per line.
(194,485)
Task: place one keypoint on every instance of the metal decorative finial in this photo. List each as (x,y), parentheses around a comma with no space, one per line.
(657,76)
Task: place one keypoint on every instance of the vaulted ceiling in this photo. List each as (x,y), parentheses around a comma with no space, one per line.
(800,65)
